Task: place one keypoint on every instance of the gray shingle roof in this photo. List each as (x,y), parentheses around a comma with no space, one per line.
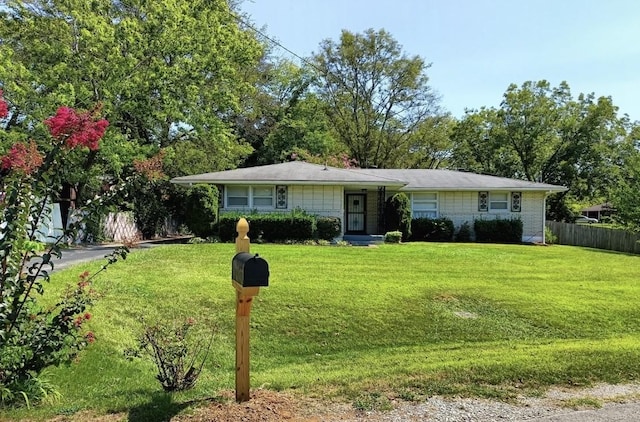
(293,172)
(300,172)
(443,180)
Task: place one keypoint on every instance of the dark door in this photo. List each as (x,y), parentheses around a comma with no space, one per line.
(356,212)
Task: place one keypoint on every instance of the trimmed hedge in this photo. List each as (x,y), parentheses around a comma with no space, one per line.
(464,233)
(328,228)
(393,237)
(431,230)
(278,227)
(498,231)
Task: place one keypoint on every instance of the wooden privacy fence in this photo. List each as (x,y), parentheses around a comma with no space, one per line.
(592,236)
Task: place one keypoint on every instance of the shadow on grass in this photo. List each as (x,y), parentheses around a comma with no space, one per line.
(160,408)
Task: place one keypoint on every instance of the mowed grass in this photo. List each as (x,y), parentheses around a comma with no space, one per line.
(407,321)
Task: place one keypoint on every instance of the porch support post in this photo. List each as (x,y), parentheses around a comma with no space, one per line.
(381,204)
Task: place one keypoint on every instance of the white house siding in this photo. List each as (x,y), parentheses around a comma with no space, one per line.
(319,200)
(372,212)
(314,199)
(462,207)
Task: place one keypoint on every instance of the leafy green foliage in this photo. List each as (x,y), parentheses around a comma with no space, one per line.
(549,237)
(202,209)
(398,214)
(543,134)
(279,227)
(170,86)
(624,194)
(430,143)
(328,228)
(284,115)
(376,96)
(498,230)
(431,229)
(274,227)
(464,233)
(27,391)
(150,212)
(34,336)
(393,237)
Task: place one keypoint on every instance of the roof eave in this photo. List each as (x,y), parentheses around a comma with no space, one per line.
(484,188)
(286,182)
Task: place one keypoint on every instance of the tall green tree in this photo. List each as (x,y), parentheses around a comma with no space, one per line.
(377,96)
(624,192)
(283,115)
(430,143)
(541,133)
(168,73)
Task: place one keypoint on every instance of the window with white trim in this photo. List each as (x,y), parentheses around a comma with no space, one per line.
(499,201)
(262,196)
(237,196)
(424,205)
(249,196)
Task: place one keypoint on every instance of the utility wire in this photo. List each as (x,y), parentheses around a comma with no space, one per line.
(274,41)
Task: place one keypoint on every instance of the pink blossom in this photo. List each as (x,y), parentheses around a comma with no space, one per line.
(76,128)
(4,109)
(78,321)
(25,158)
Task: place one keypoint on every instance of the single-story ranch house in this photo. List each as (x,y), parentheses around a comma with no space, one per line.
(357,196)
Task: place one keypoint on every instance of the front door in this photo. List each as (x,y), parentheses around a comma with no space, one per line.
(356,212)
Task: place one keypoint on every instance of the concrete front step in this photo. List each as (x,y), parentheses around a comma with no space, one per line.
(363,239)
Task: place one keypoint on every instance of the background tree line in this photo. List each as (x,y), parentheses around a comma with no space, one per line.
(189,87)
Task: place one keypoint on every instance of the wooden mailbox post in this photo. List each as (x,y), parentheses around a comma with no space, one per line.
(248,274)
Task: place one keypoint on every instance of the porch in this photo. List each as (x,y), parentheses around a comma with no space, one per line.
(364,213)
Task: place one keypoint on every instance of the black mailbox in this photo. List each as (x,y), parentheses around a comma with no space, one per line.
(249,270)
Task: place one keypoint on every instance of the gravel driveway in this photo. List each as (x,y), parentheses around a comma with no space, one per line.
(618,403)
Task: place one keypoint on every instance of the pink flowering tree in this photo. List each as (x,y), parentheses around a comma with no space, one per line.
(33,337)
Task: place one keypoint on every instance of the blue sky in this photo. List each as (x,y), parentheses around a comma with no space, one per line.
(477,48)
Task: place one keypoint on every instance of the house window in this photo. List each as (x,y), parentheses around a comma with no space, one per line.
(237,196)
(499,201)
(425,205)
(263,196)
(249,196)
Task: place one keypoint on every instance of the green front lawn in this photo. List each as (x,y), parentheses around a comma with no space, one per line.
(406,320)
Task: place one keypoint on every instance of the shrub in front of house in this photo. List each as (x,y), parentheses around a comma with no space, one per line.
(201,210)
(328,228)
(431,230)
(464,233)
(273,227)
(393,237)
(398,214)
(498,230)
(279,227)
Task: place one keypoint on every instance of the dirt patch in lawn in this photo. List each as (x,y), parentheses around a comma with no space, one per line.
(265,406)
